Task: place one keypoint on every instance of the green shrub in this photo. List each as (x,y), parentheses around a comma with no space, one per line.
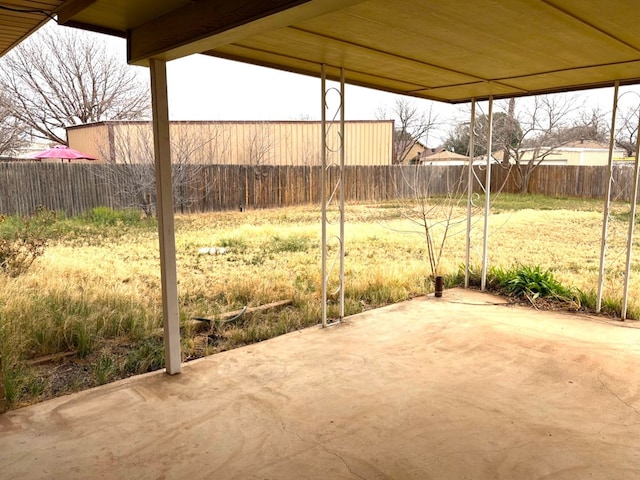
(147,356)
(104,370)
(457,279)
(238,245)
(23,239)
(20,382)
(529,281)
(105,216)
(588,300)
(289,244)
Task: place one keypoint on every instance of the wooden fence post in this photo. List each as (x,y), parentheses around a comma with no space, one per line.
(3,398)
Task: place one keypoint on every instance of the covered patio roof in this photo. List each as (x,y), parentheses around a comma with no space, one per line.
(448,51)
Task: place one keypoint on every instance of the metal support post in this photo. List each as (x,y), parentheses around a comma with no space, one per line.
(487,199)
(607,200)
(472,125)
(632,223)
(323,189)
(333,196)
(342,152)
(164,189)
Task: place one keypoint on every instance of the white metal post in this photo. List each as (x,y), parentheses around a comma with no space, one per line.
(323,190)
(632,223)
(164,192)
(607,200)
(472,126)
(335,197)
(342,152)
(487,199)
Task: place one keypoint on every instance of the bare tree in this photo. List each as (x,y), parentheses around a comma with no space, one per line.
(528,131)
(12,137)
(191,150)
(434,205)
(627,132)
(590,125)
(310,152)
(412,126)
(61,77)
(258,143)
(548,123)
(512,131)
(131,169)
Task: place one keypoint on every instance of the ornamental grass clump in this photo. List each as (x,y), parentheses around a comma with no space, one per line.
(531,282)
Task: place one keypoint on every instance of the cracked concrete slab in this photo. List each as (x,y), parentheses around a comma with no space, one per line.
(464,386)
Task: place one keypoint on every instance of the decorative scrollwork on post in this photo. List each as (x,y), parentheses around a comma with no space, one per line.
(332,198)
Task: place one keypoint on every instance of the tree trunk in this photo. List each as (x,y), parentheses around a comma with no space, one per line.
(526,177)
(510,126)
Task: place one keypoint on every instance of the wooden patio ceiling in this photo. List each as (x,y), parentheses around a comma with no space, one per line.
(450,51)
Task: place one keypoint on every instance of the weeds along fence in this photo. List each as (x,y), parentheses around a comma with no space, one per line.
(76,188)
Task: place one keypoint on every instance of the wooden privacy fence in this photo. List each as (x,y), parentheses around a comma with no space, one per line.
(76,188)
(570,181)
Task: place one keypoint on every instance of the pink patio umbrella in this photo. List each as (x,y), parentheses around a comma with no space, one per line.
(63,153)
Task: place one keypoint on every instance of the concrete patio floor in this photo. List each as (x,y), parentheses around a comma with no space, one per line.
(462,387)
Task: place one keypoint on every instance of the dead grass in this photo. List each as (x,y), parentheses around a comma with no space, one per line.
(101,297)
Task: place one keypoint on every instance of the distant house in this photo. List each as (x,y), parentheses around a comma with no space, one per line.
(418,154)
(27,152)
(581,152)
(414,153)
(237,142)
(444,157)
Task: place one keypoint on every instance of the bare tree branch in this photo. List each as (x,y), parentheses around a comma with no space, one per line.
(61,77)
(528,131)
(627,132)
(131,160)
(412,126)
(12,137)
(258,143)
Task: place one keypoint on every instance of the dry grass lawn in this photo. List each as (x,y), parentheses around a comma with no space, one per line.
(99,294)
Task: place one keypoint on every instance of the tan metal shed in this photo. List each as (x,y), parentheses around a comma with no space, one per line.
(367,142)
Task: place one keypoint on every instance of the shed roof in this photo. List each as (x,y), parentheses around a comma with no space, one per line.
(450,51)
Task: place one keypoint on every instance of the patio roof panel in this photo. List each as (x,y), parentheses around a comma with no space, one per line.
(16,25)
(450,51)
(472,36)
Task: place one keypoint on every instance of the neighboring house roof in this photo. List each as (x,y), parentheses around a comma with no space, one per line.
(444,156)
(586,144)
(428,152)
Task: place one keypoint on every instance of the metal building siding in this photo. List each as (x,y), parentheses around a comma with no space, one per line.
(90,139)
(257,143)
